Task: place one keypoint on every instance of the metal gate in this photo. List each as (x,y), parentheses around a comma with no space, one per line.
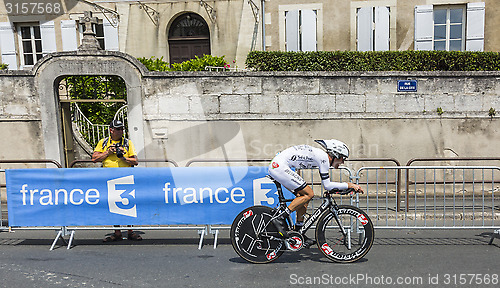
(437,197)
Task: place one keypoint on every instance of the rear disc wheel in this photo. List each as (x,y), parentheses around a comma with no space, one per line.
(247,237)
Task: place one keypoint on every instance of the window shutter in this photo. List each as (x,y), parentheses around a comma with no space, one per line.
(424,27)
(365,29)
(8,45)
(48,37)
(475,26)
(308,29)
(110,36)
(68,34)
(292,30)
(382,28)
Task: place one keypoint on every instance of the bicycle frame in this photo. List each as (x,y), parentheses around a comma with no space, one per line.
(328,203)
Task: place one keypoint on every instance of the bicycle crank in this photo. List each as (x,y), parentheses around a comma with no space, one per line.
(295,241)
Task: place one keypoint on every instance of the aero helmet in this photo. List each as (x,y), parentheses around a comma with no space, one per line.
(334,148)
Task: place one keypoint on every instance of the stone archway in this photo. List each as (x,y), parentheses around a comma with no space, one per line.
(54,67)
(188,36)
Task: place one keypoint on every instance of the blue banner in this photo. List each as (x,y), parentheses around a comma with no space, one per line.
(135,196)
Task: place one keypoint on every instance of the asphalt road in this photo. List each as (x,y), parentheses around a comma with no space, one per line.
(172,259)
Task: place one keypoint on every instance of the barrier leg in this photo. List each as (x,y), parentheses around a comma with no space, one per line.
(202,232)
(495,234)
(216,235)
(60,235)
(55,240)
(71,239)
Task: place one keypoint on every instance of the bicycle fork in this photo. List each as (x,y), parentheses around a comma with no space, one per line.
(346,234)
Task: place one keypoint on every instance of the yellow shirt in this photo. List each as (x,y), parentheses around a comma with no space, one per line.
(112,160)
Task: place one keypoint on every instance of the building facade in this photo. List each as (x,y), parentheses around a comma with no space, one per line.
(179,30)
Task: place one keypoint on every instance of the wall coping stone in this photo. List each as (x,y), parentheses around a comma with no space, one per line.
(91,53)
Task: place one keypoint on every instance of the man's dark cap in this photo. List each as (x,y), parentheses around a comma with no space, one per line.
(116,124)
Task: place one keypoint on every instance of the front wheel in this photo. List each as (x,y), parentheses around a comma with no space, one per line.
(250,235)
(356,242)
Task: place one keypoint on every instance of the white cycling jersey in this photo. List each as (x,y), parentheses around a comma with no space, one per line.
(302,157)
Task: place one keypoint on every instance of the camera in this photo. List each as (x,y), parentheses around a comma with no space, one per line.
(118,151)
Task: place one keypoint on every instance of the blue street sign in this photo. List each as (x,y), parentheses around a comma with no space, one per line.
(407,85)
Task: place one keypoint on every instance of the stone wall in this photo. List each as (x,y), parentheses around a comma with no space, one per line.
(253,115)
(20,122)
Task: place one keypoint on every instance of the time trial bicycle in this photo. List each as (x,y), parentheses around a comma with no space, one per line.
(344,233)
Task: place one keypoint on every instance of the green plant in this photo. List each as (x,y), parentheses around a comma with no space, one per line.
(440,111)
(155,64)
(199,64)
(492,112)
(373,61)
(4,66)
(97,87)
(196,64)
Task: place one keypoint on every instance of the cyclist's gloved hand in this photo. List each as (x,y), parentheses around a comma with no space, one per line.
(356,187)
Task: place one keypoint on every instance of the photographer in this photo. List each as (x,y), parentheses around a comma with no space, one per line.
(116,151)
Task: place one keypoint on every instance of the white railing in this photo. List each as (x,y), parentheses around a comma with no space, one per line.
(92,133)
(225,69)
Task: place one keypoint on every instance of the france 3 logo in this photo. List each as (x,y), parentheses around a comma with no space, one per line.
(265,192)
(122,201)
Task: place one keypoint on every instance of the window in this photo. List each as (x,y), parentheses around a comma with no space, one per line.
(26,43)
(449,29)
(300,30)
(30,39)
(188,37)
(373,33)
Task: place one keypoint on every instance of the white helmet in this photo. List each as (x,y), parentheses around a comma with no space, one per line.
(335,148)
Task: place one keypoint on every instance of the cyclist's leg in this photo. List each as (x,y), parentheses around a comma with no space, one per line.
(293,182)
(300,202)
(305,195)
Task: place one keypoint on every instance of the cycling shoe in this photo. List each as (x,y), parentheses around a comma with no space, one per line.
(281,226)
(308,242)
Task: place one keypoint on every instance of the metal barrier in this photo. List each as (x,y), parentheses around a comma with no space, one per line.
(437,197)
(444,159)
(3,204)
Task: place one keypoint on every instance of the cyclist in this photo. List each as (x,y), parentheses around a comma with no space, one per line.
(306,157)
